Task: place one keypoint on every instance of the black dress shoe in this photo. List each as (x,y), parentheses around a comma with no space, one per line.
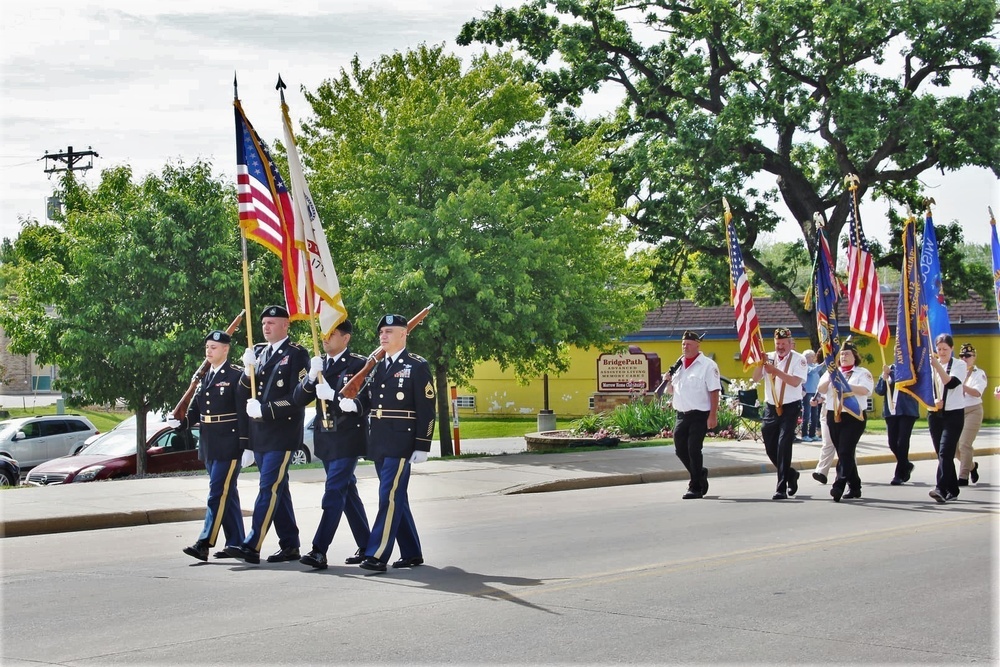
(853,493)
(963,482)
(691,495)
(314,559)
(837,493)
(373,564)
(197,550)
(284,555)
(896,481)
(937,495)
(409,562)
(793,483)
(356,559)
(244,553)
(819,477)
(950,496)
(909,472)
(974,475)
(779,496)
(221,554)
(704,481)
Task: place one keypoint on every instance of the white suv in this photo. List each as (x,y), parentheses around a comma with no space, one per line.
(34,440)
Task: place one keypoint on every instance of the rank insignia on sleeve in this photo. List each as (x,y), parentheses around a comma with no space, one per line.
(429,390)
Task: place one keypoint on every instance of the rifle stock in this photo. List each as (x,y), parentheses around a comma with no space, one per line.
(354,385)
(180,410)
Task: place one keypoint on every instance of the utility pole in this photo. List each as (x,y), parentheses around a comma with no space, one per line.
(70,159)
(53,206)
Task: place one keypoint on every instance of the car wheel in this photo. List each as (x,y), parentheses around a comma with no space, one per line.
(6,479)
(300,456)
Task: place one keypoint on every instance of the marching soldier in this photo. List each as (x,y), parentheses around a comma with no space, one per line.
(338,441)
(399,400)
(223,437)
(275,433)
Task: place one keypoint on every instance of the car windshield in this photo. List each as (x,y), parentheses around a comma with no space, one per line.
(119,441)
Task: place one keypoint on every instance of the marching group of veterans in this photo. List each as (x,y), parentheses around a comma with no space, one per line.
(260,407)
(794,386)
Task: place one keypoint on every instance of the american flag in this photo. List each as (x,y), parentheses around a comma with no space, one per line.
(747,325)
(867,315)
(266,209)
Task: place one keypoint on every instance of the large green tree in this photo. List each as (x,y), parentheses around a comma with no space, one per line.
(770,103)
(121,293)
(444,186)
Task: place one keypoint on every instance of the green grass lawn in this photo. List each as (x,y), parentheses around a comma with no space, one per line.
(103,420)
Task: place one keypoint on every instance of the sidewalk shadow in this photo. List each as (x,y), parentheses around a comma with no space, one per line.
(459,582)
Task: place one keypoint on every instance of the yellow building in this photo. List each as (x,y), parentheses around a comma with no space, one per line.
(572,394)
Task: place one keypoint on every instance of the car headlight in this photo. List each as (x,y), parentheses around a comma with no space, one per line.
(88,474)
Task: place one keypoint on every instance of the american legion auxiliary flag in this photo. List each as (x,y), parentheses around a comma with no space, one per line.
(310,239)
(266,212)
(914,374)
(747,324)
(867,314)
(995,250)
(930,281)
(829,330)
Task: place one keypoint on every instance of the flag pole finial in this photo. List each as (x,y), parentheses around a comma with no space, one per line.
(818,220)
(928,202)
(852,182)
(280,86)
(236,95)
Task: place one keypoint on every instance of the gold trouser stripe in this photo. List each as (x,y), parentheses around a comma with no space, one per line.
(266,523)
(391,510)
(219,513)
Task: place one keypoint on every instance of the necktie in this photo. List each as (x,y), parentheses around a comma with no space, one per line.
(209,378)
(265,354)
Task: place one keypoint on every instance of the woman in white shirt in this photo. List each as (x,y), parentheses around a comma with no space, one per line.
(973,388)
(846,431)
(946,421)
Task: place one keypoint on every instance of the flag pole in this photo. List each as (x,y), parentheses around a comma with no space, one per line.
(246,267)
(853,183)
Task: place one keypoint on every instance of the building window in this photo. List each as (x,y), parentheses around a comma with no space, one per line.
(590,403)
(466,402)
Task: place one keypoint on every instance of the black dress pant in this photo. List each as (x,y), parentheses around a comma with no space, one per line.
(778,433)
(845,435)
(899,428)
(946,428)
(689,437)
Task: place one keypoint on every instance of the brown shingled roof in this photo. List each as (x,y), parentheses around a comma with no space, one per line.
(675,316)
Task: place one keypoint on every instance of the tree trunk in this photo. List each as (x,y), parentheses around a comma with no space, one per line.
(140,437)
(443,409)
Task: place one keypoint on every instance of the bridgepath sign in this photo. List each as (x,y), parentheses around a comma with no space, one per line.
(633,372)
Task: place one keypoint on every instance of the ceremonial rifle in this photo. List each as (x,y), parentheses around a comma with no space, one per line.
(180,410)
(353,386)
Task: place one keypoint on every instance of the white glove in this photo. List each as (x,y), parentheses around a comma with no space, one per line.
(346,404)
(327,393)
(418,456)
(196,378)
(253,409)
(173,423)
(315,367)
(249,360)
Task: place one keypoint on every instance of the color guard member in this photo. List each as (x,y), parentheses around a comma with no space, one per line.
(275,433)
(946,422)
(695,386)
(339,439)
(222,439)
(399,400)
(973,388)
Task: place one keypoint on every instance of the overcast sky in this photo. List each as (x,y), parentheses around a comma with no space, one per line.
(145,83)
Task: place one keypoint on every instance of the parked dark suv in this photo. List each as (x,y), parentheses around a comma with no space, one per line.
(34,440)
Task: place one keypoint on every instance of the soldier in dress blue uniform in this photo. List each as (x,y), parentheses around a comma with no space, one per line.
(275,433)
(399,400)
(223,437)
(338,441)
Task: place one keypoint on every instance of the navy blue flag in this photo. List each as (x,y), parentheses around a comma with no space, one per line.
(829,331)
(914,374)
(995,250)
(930,281)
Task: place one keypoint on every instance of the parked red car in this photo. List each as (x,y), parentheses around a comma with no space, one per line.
(113,455)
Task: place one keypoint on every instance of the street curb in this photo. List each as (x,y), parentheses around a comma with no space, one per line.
(70,524)
(727,471)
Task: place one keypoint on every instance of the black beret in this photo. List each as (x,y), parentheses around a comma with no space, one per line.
(218,337)
(345,327)
(391,321)
(274,311)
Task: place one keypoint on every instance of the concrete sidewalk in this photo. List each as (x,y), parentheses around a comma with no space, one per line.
(90,506)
